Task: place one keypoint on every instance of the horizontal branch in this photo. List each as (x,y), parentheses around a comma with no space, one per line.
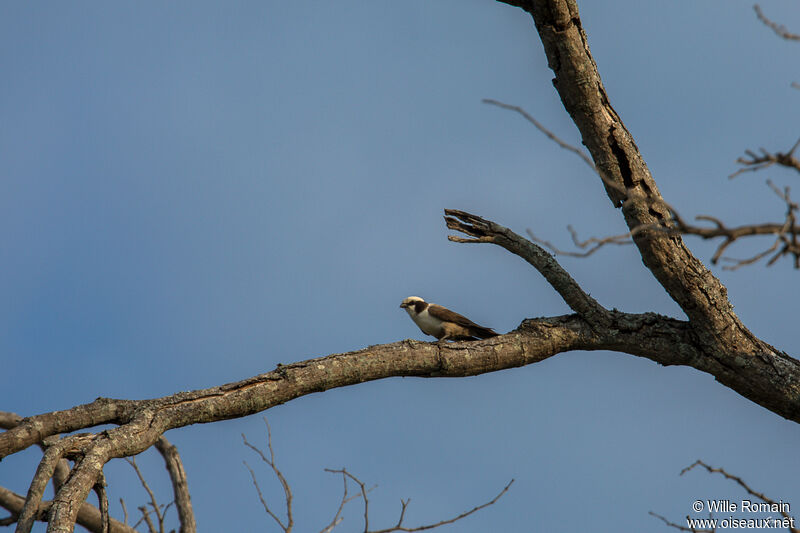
(661,339)
(533,341)
(658,338)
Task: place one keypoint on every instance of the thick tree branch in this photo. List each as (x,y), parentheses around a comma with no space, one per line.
(89,516)
(618,161)
(659,338)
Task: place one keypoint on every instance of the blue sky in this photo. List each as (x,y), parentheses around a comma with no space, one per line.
(193,192)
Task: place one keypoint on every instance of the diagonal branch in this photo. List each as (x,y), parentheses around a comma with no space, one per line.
(779,29)
(780,509)
(400,527)
(157,509)
(701,296)
(363,493)
(550,135)
(482,230)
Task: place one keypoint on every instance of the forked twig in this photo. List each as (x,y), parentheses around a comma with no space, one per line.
(159,510)
(287,490)
(753,162)
(363,493)
(404,506)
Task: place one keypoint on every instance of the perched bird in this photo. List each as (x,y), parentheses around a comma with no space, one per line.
(443,323)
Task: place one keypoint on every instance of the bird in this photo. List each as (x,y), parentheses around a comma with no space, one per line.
(443,323)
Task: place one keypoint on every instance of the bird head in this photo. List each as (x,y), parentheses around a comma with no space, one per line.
(409,303)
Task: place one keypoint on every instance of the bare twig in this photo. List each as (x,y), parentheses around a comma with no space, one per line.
(787,235)
(363,492)
(157,509)
(779,29)
(147,520)
(593,243)
(753,162)
(337,518)
(404,506)
(713,470)
(786,232)
(680,527)
(448,521)
(550,135)
(287,490)
(775,507)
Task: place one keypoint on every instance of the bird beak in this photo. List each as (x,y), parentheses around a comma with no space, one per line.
(403,305)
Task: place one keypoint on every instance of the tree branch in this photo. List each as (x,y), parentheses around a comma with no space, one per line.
(550,135)
(484,231)
(180,486)
(89,516)
(102,500)
(775,507)
(787,232)
(753,162)
(363,491)
(770,379)
(287,490)
(779,29)
(689,283)
(656,337)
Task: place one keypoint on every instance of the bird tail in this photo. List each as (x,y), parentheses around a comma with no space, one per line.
(483,333)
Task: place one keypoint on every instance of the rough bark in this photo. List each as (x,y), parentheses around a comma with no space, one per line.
(739,354)
(712,340)
(88,516)
(180,487)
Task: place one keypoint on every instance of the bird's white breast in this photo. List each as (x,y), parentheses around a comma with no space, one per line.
(427,323)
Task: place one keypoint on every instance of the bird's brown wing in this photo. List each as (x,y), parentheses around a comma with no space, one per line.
(443,313)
